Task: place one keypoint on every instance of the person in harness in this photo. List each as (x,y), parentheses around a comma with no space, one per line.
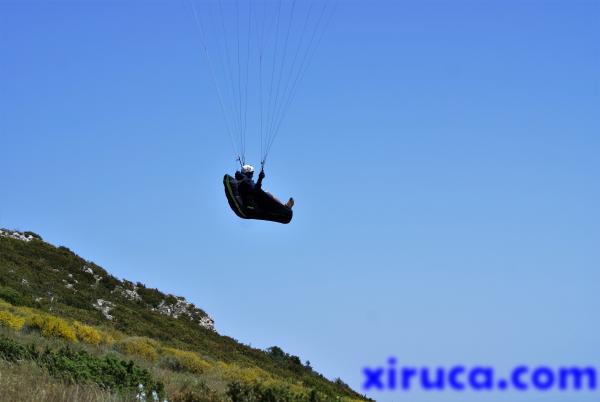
(248,189)
(248,200)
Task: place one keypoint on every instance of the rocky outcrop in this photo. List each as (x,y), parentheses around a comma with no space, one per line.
(105,307)
(182,308)
(16,235)
(90,280)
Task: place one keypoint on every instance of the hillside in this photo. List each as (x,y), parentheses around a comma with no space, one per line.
(55,303)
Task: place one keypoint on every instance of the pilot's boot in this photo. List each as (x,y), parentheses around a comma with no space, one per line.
(290,203)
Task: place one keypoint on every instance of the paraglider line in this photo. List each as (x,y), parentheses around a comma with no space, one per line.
(212,73)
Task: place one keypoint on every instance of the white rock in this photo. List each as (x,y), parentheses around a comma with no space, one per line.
(207,323)
(184,308)
(15,235)
(104,306)
(129,294)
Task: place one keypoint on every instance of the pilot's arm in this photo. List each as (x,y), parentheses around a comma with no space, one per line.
(261,176)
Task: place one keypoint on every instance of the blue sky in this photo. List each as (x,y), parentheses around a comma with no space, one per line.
(443,157)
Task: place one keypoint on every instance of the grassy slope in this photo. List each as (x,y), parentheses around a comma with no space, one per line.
(51,279)
(26,382)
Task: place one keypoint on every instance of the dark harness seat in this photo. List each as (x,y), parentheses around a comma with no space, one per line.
(259,205)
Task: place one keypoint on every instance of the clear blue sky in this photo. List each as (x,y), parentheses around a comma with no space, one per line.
(443,156)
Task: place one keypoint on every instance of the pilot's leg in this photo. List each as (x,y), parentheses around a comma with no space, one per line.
(273,197)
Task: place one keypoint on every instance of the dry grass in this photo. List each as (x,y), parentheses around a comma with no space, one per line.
(184,373)
(26,382)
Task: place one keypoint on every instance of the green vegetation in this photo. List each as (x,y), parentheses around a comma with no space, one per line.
(12,296)
(240,392)
(27,382)
(82,367)
(34,235)
(50,312)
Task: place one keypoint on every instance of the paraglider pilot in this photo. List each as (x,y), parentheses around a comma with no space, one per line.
(247,187)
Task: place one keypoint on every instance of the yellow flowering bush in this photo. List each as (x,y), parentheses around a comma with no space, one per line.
(87,334)
(246,374)
(138,346)
(188,361)
(12,321)
(51,326)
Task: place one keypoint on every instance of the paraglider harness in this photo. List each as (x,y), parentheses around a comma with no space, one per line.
(249,201)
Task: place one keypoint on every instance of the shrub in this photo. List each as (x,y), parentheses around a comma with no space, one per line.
(180,360)
(110,282)
(139,346)
(291,362)
(34,235)
(110,335)
(26,312)
(239,392)
(245,375)
(51,326)
(12,351)
(87,334)
(11,321)
(108,338)
(12,296)
(66,250)
(198,392)
(107,371)
(150,296)
(82,367)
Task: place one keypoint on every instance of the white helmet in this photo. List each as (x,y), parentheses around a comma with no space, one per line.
(247,169)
